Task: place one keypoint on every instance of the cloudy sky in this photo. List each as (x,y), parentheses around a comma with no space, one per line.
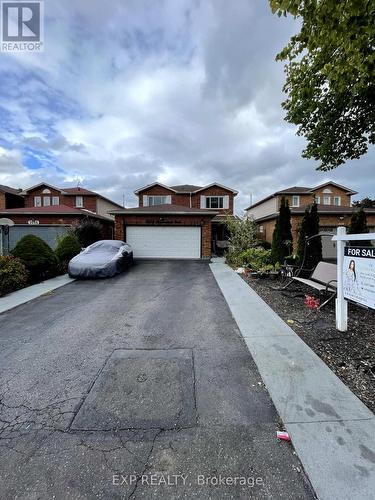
(180,91)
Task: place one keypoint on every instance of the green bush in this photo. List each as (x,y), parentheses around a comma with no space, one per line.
(89,231)
(242,233)
(256,258)
(67,248)
(264,244)
(37,257)
(13,274)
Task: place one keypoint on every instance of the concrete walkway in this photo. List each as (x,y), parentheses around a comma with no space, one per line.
(332,431)
(20,297)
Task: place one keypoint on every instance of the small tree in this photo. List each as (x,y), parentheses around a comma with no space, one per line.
(310,227)
(38,258)
(243,232)
(282,240)
(67,248)
(358,225)
(89,231)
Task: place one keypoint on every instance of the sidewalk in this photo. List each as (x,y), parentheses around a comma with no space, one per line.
(20,297)
(332,431)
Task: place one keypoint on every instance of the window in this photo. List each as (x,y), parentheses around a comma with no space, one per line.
(214,201)
(79,201)
(317,200)
(37,201)
(261,229)
(158,200)
(55,200)
(46,201)
(326,200)
(46,191)
(295,201)
(337,201)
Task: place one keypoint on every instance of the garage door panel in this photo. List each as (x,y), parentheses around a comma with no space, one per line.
(168,242)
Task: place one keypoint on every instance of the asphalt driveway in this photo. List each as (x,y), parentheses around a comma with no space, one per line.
(140,386)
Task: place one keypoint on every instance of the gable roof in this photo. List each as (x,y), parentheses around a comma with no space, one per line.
(78,191)
(25,191)
(10,190)
(185,188)
(301,190)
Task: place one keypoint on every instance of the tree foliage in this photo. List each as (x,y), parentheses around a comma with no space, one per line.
(330,77)
(38,258)
(282,240)
(309,227)
(89,231)
(365,203)
(358,225)
(242,235)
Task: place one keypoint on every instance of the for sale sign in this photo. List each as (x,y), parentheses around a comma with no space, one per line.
(359,275)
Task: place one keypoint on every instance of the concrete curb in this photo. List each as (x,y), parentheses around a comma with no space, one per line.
(332,431)
(20,297)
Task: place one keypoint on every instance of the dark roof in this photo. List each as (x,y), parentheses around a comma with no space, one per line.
(78,191)
(52,210)
(332,209)
(295,189)
(165,209)
(186,188)
(9,190)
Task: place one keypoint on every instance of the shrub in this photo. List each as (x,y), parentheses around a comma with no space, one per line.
(89,231)
(256,258)
(13,274)
(242,236)
(67,248)
(37,256)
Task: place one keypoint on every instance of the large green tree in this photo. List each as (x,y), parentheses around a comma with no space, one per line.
(330,77)
(358,225)
(282,240)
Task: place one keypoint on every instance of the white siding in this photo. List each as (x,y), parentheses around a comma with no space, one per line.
(266,208)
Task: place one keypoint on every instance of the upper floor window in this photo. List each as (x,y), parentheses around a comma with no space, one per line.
(46,201)
(37,201)
(79,201)
(295,201)
(55,200)
(214,201)
(326,200)
(317,200)
(158,200)
(337,201)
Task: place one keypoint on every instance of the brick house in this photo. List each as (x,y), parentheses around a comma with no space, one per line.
(46,206)
(334,208)
(10,198)
(175,222)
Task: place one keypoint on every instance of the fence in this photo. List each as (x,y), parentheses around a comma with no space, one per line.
(50,233)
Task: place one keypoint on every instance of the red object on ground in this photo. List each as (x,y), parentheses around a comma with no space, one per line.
(311,302)
(284,436)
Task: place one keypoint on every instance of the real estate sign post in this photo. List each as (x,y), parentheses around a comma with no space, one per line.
(355,274)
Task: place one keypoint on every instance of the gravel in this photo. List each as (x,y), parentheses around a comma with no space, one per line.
(351,355)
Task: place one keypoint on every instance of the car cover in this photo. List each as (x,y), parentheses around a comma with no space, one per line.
(102,259)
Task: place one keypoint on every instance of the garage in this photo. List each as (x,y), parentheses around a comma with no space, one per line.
(165,242)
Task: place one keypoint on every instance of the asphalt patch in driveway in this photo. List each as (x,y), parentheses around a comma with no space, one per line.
(141,389)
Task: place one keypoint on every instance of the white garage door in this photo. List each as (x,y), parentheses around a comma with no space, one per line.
(168,242)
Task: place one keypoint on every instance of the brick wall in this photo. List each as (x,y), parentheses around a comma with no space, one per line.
(89,202)
(2,201)
(184,199)
(157,220)
(29,198)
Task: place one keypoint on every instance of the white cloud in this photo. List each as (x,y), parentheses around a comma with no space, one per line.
(130,92)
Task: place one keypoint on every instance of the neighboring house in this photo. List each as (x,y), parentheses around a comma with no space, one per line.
(334,207)
(45,195)
(10,198)
(52,211)
(184,221)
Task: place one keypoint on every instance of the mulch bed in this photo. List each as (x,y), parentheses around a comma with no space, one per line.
(351,355)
